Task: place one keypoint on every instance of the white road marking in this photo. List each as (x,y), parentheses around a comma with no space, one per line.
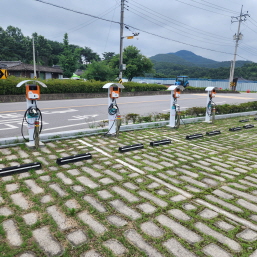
(82,117)
(60,112)
(10,127)
(73,125)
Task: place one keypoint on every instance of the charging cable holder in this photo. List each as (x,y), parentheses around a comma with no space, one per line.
(32,114)
(210,105)
(174,107)
(114,90)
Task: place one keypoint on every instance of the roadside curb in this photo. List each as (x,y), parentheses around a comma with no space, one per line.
(13,141)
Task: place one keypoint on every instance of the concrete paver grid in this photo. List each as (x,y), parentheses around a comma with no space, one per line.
(189,198)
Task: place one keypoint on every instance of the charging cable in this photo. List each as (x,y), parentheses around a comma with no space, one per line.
(32,112)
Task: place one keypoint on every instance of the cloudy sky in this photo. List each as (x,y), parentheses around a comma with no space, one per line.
(165,26)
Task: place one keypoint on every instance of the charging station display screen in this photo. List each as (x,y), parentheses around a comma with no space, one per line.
(32,87)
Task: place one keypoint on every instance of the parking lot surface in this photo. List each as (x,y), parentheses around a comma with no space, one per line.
(188,198)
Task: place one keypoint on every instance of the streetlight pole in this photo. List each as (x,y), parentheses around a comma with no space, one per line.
(34,58)
(121,40)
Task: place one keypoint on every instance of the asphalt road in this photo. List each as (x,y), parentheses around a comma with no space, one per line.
(65,115)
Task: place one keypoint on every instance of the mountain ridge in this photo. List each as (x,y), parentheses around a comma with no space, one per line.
(188,58)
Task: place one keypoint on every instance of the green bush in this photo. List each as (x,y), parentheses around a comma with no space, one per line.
(223,109)
(59,86)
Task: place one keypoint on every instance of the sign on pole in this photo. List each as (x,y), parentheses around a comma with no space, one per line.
(3,74)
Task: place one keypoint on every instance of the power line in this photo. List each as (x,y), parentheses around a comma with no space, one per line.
(153,34)
(178,23)
(84,24)
(82,13)
(220,8)
(200,8)
(177,41)
(178,33)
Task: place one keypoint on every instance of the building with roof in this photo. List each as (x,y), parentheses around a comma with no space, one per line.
(20,69)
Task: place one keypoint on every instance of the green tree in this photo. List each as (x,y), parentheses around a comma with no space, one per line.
(136,63)
(100,71)
(88,56)
(107,56)
(68,59)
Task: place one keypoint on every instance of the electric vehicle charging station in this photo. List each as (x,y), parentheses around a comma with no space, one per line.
(32,115)
(175,108)
(210,106)
(114,117)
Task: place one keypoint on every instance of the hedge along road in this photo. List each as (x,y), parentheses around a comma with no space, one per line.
(74,114)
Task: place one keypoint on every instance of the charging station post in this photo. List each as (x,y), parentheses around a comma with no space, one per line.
(175,108)
(114,117)
(210,106)
(32,114)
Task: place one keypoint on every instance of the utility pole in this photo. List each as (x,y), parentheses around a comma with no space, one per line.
(237,37)
(121,40)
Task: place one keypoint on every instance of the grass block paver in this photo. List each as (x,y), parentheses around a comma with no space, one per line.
(46,199)
(247,205)
(146,208)
(208,214)
(72,204)
(151,229)
(178,214)
(121,207)
(214,250)
(224,225)
(232,244)
(96,204)
(58,190)
(30,218)
(12,187)
(117,221)
(60,218)
(104,194)
(125,194)
(87,182)
(248,235)
(21,201)
(115,246)
(5,211)
(12,233)
(153,198)
(95,225)
(77,237)
(223,203)
(179,229)
(177,249)
(64,178)
(47,242)
(137,240)
(31,184)
(78,188)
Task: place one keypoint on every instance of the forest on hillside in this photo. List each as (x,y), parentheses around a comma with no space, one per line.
(14,46)
(170,70)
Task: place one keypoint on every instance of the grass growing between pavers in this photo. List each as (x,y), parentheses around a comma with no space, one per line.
(123,212)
